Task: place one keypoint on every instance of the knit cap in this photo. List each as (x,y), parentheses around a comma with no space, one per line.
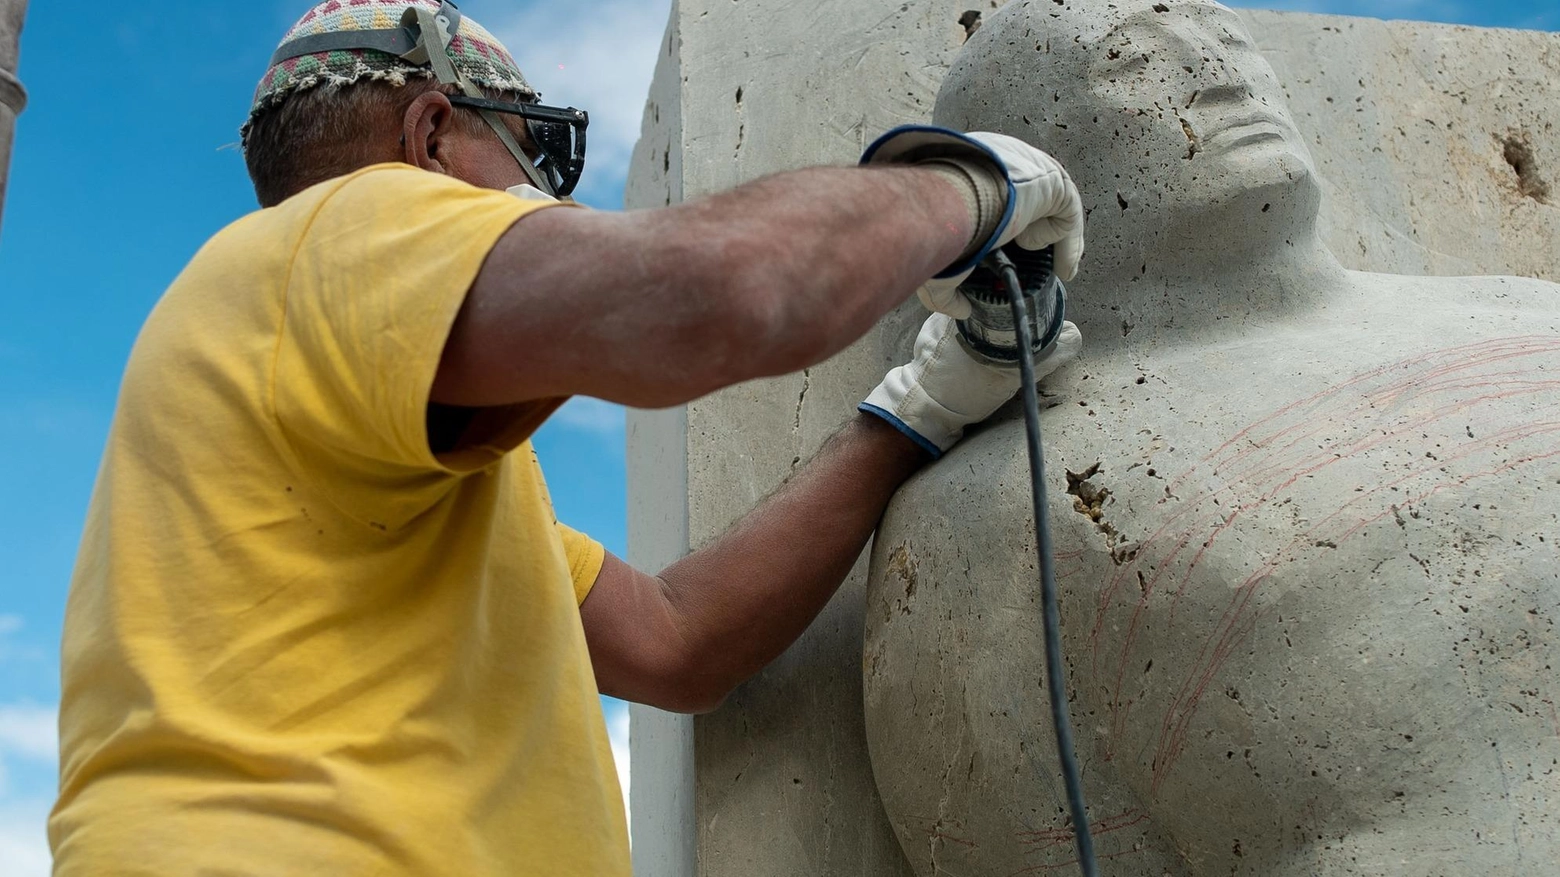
(475,52)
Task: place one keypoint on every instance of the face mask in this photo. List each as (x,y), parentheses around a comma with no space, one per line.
(527,192)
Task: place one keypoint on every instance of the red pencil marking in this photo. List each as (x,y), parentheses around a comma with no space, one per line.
(935,829)
(1064,836)
(937,835)
(1390,406)
(1049,837)
(1070,863)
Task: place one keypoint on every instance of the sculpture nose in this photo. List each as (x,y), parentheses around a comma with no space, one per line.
(1220,95)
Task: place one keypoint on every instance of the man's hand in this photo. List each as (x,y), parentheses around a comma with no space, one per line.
(944,389)
(1014,192)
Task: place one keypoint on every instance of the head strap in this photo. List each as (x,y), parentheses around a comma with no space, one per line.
(423,39)
(403,41)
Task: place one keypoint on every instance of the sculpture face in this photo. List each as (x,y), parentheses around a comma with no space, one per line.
(1181,127)
(1192,82)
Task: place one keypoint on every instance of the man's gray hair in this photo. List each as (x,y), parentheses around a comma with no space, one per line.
(330,130)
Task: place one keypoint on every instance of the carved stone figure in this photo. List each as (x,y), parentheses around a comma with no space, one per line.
(1308,541)
(12,97)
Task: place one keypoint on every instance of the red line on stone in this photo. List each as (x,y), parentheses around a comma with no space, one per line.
(1445,372)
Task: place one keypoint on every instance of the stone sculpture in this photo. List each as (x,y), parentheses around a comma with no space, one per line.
(1307,547)
(12,97)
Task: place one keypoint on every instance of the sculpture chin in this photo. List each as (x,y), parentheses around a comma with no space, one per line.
(1249,189)
(1260,154)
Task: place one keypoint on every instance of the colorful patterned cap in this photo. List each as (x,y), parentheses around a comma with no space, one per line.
(475,51)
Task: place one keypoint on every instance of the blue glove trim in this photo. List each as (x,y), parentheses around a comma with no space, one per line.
(898,424)
(934,134)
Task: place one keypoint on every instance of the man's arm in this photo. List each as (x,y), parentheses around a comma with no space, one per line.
(683,640)
(653,308)
(819,255)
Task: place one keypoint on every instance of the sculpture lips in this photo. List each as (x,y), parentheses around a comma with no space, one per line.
(1228,115)
(1247,129)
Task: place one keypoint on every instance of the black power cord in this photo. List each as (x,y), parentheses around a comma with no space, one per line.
(1056,686)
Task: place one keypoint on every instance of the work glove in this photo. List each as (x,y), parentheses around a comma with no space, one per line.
(1016,192)
(943,388)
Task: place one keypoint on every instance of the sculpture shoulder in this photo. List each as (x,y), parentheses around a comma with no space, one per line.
(1491,291)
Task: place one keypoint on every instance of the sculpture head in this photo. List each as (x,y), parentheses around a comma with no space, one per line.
(1166,114)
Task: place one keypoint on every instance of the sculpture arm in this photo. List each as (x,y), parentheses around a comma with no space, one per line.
(684,639)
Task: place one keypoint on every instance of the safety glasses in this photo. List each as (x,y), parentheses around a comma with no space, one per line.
(558,132)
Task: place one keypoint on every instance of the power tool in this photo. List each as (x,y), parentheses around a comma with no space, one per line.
(1018,305)
(989,334)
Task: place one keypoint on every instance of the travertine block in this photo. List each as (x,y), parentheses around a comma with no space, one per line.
(1420,177)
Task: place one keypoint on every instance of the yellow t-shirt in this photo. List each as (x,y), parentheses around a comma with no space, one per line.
(297,642)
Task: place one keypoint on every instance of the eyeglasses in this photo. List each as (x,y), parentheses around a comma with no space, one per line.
(558,132)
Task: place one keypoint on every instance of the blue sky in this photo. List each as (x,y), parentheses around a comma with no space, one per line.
(126,162)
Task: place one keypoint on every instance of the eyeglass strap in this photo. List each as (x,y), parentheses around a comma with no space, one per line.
(444,70)
(422,39)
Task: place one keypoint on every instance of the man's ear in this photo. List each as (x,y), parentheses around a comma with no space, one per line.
(426,130)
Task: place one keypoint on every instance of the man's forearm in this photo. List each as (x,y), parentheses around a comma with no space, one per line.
(653,308)
(825,252)
(743,599)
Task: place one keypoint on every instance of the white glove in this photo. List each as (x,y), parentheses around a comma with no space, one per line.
(1042,205)
(944,389)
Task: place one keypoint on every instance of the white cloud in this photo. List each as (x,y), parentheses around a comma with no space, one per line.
(24,845)
(10,624)
(599,57)
(592,415)
(617,730)
(27,734)
(29,731)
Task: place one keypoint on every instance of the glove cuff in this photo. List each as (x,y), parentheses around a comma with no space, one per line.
(910,144)
(982,191)
(902,401)
(921,441)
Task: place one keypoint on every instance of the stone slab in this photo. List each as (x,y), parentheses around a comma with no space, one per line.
(1308,602)
(779,777)
(12,97)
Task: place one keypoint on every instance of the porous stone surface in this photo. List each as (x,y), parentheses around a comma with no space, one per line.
(780,779)
(1306,546)
(12,97)
(1436,145)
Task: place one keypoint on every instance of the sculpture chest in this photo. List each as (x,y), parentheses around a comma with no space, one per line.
(1310,588)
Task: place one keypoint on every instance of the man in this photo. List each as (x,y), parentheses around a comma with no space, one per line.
(324,620)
